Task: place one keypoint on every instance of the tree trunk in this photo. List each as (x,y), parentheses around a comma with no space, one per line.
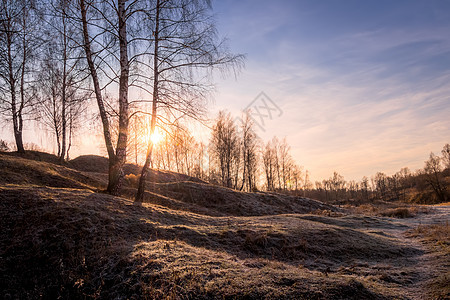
(116,165)
(64,88)
(22,92)
(55,120)
(16,116)
(113,178)
(141,187)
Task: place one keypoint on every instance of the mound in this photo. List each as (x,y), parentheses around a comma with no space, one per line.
(90,163)
(35,155)
(18,170)
(222,201)
(99,164)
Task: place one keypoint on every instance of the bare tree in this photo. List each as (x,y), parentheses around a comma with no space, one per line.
(108,22)
(269,162)
(297,177)
(285,163)
(225,147)
(365,187)
(139,133)
(50,112)
(17,45)
(446,156)
(61,77)
(380,184)
(185,51)
(307,184)
(337,183)
(433,173)
(249,152)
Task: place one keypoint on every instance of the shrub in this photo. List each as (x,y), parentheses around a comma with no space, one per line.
(397,213)
(131,179)
(4,146)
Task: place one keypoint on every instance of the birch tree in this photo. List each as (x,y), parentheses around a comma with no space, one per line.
(106,32)
(249,152)
(186,50)
(225,147)
(17,46)
(269,162)
(61,76)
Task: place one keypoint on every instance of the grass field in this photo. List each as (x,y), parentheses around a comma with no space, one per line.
(62,237)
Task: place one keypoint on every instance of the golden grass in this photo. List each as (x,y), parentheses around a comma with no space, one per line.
(392,209)
(436,234)
(436,238)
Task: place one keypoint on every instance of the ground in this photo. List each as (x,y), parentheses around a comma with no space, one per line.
(63,238)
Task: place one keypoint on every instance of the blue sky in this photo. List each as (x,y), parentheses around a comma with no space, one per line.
(364,86)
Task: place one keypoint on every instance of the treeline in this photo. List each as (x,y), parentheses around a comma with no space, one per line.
(234,156)
(237,158)
(427,185)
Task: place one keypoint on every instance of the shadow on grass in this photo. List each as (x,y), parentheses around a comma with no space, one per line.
(74,243)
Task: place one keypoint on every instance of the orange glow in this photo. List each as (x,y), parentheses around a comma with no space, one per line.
(156,137)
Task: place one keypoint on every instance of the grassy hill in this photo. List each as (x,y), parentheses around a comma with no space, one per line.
(61,237)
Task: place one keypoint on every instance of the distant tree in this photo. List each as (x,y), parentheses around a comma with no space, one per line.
(446,156)
(327,186)
(269,162)
(353,188)
(285,162)
(380,184)
(337,183)
(225,147)
(433,173)
(365,188)
(138,133)
(249,152)
(199,161)
(277,164)
(297,177)
(394,187)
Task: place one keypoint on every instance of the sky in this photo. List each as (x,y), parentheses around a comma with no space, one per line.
(356,87)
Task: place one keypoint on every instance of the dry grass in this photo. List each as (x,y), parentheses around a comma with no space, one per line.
(61,239)
(437,235)
(437,240)
(397,213)
(221,201)
(75,243)
(18,170)
(390,209)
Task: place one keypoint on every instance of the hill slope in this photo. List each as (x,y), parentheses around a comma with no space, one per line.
(60,238)
(182,192)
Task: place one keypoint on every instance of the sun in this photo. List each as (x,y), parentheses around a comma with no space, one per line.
(156,137)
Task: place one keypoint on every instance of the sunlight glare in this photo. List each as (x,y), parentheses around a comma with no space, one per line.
(156,137)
